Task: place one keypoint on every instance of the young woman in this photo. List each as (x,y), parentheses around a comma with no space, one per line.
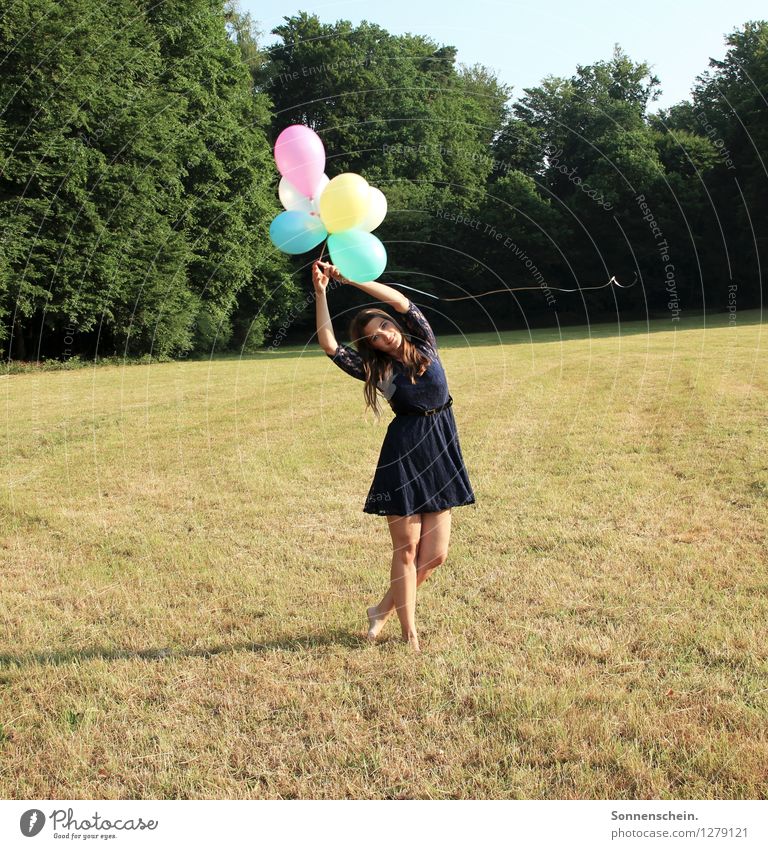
(420,474)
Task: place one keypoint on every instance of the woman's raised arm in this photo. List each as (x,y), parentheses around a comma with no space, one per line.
(325,335)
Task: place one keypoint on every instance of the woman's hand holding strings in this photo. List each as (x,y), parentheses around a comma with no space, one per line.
(330,270)
(319,277)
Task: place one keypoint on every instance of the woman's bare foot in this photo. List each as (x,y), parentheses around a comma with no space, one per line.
(413,642)
(375,623)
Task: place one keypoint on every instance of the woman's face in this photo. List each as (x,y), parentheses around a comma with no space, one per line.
(383,335)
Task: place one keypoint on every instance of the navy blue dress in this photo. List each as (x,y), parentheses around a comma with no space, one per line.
(420,467)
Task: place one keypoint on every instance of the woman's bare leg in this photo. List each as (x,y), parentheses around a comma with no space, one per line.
(433,544)
(405,532)
(432,551)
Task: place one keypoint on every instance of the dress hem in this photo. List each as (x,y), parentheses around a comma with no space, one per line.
(417,512)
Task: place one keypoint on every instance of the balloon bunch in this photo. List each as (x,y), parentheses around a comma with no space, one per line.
(344,210)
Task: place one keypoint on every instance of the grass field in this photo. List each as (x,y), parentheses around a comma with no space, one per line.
(187,567)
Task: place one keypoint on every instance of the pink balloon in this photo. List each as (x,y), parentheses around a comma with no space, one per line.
(300,157)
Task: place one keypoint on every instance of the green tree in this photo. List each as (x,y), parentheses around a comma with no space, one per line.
(83,200)
(227,172)
(136,182)
(596,154)
(729,108)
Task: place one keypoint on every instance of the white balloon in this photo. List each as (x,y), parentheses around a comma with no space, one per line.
(291,198)
(377,210)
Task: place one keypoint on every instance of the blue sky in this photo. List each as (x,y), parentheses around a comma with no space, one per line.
(525,41)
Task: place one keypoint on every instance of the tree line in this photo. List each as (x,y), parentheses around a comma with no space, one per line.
(137,182)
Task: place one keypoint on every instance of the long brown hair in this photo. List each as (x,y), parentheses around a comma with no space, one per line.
(377,364)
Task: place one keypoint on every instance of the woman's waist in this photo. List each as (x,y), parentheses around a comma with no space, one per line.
(419,410)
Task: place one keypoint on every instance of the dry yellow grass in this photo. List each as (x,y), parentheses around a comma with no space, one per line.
(186,571)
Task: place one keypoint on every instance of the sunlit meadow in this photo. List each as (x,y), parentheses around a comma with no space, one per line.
(187,567)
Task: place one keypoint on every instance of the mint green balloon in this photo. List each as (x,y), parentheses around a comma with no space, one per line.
(358,255)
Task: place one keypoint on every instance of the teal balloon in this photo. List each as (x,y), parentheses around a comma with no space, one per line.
(295,232)
(358,255)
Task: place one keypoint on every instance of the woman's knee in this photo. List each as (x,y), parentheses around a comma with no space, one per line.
(406,534)
(407,551)
(433,561)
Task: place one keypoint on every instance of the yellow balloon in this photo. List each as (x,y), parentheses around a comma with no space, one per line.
(344,202)
(377,210)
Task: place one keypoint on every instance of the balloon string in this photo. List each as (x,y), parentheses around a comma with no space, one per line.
(523,289)
(322,250)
